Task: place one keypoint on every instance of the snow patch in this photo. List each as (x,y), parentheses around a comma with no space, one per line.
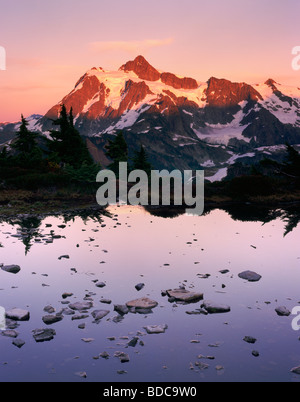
(221,173)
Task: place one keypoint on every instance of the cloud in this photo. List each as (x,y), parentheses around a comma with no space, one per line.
(129,46)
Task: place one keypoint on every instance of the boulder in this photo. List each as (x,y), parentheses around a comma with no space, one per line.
(9,332)
(13,269)
(250,276)
(282,311)
(184,295)
(81,305)
(213,308)
(43,334)
(18,314)
(100,284)
(143,302)
(139,286)
(98,314)
(249,339)
(18,342)
(121,309)
(51,319)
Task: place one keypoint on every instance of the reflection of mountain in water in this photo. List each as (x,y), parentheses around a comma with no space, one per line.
(251,213)
(29,226)
(243,213)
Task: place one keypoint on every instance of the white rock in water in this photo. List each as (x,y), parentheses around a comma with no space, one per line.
(18,314)
(156,329)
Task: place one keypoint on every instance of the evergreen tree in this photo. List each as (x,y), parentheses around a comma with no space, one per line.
(4,157)
(140,161)
(66,145)
(28,152)
(292,164)
(117,150)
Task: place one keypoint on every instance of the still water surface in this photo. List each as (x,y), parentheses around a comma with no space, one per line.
(130,246)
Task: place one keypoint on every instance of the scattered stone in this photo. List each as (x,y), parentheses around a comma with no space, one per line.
(143,302)
(49,309)
(249,339)
(156,329)
(18,342)
(250,276)
(51,319)
(67,311)
(81,326)
(213,308)
(255,353)
(13,269)
(133,341)
(282,311)
(43,334)
(121,309)
(219,367)
(296,370)
(9,332)
(100,284)
(206,357)
(201,365)
(79,316)
(123,357)
(66,294)
(121,371)
(203,276)
(87,340)
(139,286)
(224,271)
(62,256)
(81,305)
(106,301)
(82,374)
(98,314)
(184,295)
(11,324)
(18,314)
(197,311)
(104,355)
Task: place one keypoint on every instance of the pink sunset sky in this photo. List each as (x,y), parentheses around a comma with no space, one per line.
(49,45)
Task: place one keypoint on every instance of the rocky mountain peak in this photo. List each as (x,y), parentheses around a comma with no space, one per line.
(222,92)
(271,83)
(141,68)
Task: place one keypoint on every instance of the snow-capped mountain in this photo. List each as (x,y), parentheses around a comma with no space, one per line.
(182,122)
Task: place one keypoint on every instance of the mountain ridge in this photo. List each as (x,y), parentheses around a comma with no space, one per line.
(182,122)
